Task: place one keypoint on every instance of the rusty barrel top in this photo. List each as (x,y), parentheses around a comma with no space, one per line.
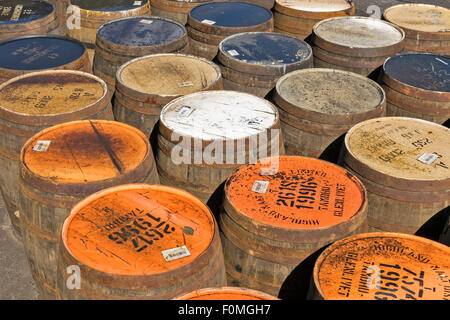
(23,11)
(297,193)
(383,266)
(138,230)
(226,293)
(108,5)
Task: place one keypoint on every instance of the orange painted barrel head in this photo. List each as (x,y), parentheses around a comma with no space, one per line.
(226,293)
(138,229)
(84,151)
(384,266)
(304,193)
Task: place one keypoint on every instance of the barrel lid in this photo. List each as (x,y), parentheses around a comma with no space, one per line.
(22,11)
(383,266)
(219,115)
(226,293)
(138,230)
(141,31)
(313,9)
(108,5)
(403,153)
(329,96)
(294,193)
(39,52)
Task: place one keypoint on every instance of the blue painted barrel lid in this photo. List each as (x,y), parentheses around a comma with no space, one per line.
(420,70)
(22,11)
(39,52)
(230,14)
(108,5)
(141,31)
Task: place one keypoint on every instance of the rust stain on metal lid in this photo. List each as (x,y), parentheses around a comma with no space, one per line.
(226,293)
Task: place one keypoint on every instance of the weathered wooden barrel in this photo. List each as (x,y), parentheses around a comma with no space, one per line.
(145,85)
(90,15)
(140,241)
(62,15)
(418,86)
(204,136)
(208,24)
(252,62)
(21,17)
(298,17)
(318,105)
(356,44)
(177,10)
(274,218)
(226,293)
(34,101)
(404,164)
(21,55)
(60,166)
(122,40)
(426,26)
(382,266)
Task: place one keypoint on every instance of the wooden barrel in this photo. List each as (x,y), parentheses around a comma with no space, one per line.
(418,86)
(382,266)
(404,164)
(204,136)
(140,242)
(61,13)
(273,220)
(26,54)
(60,166)
(144,85)
(317,106)
(122,40)
(92,14)
(444,237)
(208,24)
(356,44)
(426,26)
(226,293)
(34,101)
(298,17)
(252,62)
(177,10)
(21,17)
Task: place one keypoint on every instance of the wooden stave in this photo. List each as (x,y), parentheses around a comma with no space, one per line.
(318,63)
(293,24)
(300,36)
(396,111)
(202,50)
(255,90)
(428,46)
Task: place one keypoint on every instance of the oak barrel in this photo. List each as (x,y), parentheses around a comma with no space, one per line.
(177,10)
(318,105)
(297,17)
(274,219)
(204,136)
(356,44)
(426,26)
(404,164)
(226,293)
(21,17)
(60,166)
(62,14)
(252,62)
(208,24)
(122,40)
(417,85)
(34,101)
(140,242)
(144,85)
(382,266)
(25,54)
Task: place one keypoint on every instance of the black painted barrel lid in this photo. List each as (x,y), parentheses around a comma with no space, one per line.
(22,11)
(39,52)
(141,31)
(420,70)
(230,14)
(108,5)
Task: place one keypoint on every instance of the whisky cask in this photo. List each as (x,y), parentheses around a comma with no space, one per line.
(403,163)
(252,62)
(177,10)
(34,101)
(226,293)
(382,266)
(62,15)
(140,241)
(275,217)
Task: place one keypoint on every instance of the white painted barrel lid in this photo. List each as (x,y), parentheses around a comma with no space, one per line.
(219,115)
(316,5)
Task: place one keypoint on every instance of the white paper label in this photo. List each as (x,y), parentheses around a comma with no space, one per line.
(175,253)
(260,186)
(42,146)
(428,158)
(208,21)
(233,53)
(185,111)
(137,3)
(186,84)
(146,21)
